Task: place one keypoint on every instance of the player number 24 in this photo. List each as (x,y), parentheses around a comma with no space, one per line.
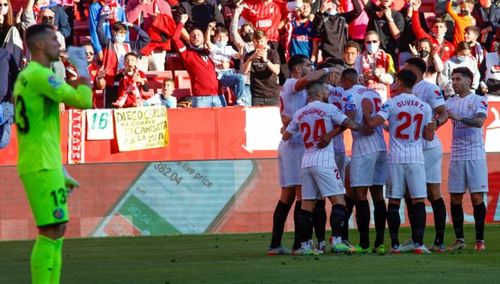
(318,131)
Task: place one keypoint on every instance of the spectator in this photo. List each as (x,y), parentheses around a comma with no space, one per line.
(351,52)
(462,58)
(242,38)
(145,12)
(471,36)
(263,64)
(200,13)
(300,34)
(114,53)
(487,17)
(425,50)
(114,13)
(132,84)
(492,73)
(166,97)
(95,71)
(443,48)
(331,28)
(47,16)
(68,7)
(201,69)
(357,28)
(222,54)
(408,35)
(388,23)
(60,17)
(462,19)
(375,65)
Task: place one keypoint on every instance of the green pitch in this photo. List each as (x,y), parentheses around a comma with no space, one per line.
(241,258)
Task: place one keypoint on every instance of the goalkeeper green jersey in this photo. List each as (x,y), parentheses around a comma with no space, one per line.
(37,94)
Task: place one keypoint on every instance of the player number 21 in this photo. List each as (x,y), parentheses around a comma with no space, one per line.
(318,131)
(407,122)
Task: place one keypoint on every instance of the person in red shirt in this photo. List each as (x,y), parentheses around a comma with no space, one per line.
(132,84)
(444,49)
(201,69)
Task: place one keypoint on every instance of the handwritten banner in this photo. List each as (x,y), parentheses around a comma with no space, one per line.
(141,128)
(100,124)
(76,139)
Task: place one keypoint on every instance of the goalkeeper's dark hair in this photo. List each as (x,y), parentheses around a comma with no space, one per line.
(314,87)
(35,33)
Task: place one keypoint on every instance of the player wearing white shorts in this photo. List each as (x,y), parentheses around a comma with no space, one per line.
(320,176)
(292,96)
(368,168)
(433,155)
(410,119)
(468,169)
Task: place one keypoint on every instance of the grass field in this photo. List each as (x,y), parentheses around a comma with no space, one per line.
(241,258)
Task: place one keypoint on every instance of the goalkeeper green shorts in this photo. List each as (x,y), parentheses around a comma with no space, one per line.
(47,196)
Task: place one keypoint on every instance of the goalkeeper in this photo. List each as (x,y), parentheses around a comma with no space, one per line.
(37,94)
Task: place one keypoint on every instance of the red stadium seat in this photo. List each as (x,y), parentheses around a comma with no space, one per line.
(156,78)
(174,62)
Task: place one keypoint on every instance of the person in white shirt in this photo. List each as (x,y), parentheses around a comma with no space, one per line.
(462,58)
(368,168)
(222,55)
(316,123)
(468,167)
(410,120)
(433,154)
(492,74)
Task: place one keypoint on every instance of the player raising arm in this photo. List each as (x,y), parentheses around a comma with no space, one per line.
(468,168)
(37,93)
(320,176)
(410,119)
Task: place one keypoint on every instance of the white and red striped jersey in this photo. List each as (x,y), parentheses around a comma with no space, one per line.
(337,98)
(314,121)
(407,116)
(361,144)
(291,101)
(432,95)
(266,16)
(467,142)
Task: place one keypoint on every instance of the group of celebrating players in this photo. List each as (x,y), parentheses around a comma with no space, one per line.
(318,105)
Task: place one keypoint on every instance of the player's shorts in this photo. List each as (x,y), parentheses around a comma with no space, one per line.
(471,175)
(342,161)
(47,196)
(368,170)
(433,159)
(318,182)
(402,175)
(290,163)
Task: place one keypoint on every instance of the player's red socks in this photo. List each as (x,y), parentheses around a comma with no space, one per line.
(279,219)
(479,215)
(393,221)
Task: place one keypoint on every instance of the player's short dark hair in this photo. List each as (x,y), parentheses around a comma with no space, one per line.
(407,78)
(336,61)
(119,27)
(297,59)
(315,86)
(35,32)
(350,74)
(417,62)
(464,71)
(352,44)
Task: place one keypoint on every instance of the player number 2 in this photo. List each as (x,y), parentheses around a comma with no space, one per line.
(59,196)
(319,130)
(407,122)
(23,124)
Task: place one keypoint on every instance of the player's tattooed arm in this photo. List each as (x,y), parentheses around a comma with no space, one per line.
(302,83)
(351,124)
(369,120)
(326,139)
(477,121)
(285,120)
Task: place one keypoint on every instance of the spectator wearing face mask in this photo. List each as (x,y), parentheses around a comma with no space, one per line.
(424,49)
(375,65)
(462,58)
(331,29)
(443,48)
(462,19)
(408,35)
(222,55)
(242,37)
(114,52)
